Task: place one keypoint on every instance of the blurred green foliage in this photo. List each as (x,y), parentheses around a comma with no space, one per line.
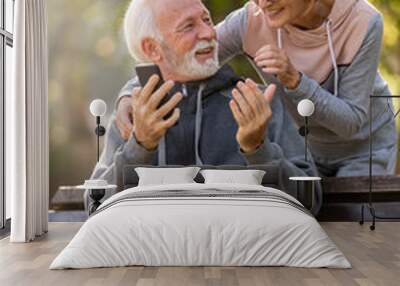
(390,60)
(88,59)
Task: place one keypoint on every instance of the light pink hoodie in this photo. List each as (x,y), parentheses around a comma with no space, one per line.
(315,52)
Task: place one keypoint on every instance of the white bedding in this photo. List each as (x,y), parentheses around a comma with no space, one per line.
(202,231)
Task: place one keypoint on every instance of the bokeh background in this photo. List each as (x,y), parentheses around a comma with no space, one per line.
(88,59)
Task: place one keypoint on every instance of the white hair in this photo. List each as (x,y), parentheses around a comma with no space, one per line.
(139,23)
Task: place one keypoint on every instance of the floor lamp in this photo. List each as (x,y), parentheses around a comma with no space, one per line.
(305,108)
(98,109)
(97,188)
(370,205)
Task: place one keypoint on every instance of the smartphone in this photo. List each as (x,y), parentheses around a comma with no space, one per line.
(144,72)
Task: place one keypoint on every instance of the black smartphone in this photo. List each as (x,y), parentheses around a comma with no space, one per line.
(144,72)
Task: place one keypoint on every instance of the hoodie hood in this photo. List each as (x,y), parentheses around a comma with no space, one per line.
(319,51)
(224,79)
(341,12)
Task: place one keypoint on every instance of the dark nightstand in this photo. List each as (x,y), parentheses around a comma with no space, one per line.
(307,197)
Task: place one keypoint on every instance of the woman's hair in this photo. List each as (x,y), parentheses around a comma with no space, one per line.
(139,23)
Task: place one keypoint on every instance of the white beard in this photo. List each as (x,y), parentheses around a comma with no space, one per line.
(190,67)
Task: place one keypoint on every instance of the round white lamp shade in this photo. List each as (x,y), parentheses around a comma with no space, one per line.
(98,107)
(306,108)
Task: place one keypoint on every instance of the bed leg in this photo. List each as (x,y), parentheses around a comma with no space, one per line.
(362,215)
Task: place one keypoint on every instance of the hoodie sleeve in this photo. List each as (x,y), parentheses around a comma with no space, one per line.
(127,89)
(116,154)
(346,113)
(285,147)
(230,34)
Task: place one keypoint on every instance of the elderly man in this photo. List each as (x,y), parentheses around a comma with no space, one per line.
(216,118)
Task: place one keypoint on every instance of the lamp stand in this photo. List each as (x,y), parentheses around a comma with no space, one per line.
(100,131)
(303,131)
(306,138)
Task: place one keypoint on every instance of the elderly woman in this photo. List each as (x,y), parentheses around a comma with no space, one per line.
(323,50)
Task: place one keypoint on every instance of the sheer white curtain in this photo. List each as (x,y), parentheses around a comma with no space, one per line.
(28,124)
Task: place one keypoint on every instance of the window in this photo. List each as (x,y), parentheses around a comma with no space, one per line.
(6,44)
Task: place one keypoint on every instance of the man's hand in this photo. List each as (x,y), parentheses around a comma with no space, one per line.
(252,112)
(275,61)
(124,117)
(148,121)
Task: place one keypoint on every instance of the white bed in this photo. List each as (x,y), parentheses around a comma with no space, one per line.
(224,225)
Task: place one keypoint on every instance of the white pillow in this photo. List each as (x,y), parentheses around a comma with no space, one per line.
(248,177)
(166,176)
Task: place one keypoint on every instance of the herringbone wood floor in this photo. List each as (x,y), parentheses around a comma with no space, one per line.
(375,257)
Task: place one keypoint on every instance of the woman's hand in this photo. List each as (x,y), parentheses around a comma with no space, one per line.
(124,119)
(275,61)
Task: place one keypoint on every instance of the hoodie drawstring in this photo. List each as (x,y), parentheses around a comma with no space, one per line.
(162,156)
(328,24)
(333,55)
(280,43)
(162,151)
(199,117)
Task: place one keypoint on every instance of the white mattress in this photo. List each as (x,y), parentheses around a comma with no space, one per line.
(200,231)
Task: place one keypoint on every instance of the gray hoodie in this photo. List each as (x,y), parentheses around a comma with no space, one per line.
(206,134)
